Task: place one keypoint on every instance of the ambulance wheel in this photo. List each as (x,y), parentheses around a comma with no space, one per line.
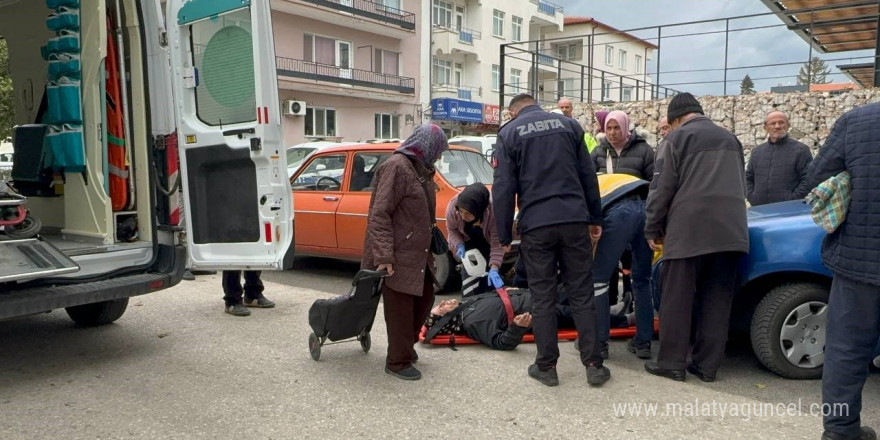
(314,347)
(366,341)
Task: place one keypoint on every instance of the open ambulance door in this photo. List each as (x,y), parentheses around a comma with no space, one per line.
(237,199)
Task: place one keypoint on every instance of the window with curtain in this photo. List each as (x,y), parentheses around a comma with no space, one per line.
(516,25)
(515,78)
(387,126)
(320,122)
(442,14)
(496,77)
(322,50)
(621,60)
(442,72)
(386,61)
(497,23)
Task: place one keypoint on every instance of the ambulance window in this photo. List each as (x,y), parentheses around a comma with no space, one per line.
(223,55)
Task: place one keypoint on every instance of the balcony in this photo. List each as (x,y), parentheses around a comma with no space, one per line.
(340,76)
(549,14)
(451,40)
(364,15)
(465,93)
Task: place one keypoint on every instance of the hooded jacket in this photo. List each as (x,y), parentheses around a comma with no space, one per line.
(636,158)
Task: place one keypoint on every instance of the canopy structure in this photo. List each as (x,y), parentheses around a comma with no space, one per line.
(836,26)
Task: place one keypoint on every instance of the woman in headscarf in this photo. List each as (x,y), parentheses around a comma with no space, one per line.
(398,240)
(623,151)
(470,224)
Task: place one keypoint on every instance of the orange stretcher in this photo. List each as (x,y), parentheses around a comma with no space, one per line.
(117,162)
(564,335)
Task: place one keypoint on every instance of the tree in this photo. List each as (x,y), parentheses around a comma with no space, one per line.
(7,104)
(747,86)
(814,71)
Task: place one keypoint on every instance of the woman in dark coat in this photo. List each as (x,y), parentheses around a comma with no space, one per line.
(623,151)
(398,240)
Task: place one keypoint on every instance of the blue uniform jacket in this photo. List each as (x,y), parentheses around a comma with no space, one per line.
(541,158)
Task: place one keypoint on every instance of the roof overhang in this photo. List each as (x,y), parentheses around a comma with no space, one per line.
(831,25)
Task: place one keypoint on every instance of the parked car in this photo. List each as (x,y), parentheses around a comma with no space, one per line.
(332,196)
(483,144)
(297,154)
(783,294)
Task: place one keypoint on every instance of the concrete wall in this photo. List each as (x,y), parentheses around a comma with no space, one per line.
(812,114)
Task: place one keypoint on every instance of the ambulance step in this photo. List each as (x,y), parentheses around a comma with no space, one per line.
(32,258)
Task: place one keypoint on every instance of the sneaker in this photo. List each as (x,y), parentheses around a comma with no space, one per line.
(642,351)
(408,373)
(865,433)
(238,310)
(260,303)
(597,374)
(622,307)
(548,377)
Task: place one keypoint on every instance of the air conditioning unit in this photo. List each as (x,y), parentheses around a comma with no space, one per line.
(294,108)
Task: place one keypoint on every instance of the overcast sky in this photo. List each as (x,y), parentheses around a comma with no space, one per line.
(771,45)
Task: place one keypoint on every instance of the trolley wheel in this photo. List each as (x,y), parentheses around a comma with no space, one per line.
(314,346)
(366,341)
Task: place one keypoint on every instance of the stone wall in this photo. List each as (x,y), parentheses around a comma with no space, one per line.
(812,114)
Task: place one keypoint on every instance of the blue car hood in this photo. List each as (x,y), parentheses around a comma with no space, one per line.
(783,237)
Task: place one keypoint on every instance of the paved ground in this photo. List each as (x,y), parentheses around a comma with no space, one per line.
(176,367)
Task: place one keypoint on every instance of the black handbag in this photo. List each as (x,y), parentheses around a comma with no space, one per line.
(439,246)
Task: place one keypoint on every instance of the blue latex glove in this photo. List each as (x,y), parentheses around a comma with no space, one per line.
(495,279)
(459,250)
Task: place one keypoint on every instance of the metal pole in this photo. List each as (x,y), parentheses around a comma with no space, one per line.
(590,65)
(726,39)
(637,89)
(659,36)
(582,82)
(534,81)
(501,80)
(809,66)
(877,51)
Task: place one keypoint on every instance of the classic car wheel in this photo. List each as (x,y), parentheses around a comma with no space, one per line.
(444,270)
(788,330)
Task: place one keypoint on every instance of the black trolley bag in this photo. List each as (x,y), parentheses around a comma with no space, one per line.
(346,316)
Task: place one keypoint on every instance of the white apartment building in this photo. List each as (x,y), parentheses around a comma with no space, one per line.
(590,61)
(466,73)
(350,70)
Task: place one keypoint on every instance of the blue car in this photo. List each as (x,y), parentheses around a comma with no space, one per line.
(783,290)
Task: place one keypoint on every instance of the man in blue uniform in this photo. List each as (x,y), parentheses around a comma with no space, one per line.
(542,162)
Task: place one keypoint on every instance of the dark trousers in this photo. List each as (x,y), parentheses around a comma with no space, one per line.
(404,316)
(697,296)
(850,338)
(624,227)
(565,249)
(232,288)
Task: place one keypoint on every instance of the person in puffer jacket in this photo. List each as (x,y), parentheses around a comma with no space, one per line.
(623,151)
(852,253)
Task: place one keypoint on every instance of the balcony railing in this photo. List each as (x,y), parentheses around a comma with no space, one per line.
(369,9)
(466,93)
(465,35)
(546,7)
(546,59)
(335,74)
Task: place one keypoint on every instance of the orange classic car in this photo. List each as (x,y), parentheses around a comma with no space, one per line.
(331,193)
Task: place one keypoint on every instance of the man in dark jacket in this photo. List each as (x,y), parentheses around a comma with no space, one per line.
(696,208)
(852,253)
(777,168)
(541,159)
(622,151)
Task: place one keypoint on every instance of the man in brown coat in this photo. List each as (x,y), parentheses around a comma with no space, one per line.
(398,240)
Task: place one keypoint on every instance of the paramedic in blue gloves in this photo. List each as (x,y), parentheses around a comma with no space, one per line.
(541,164)
(470,224)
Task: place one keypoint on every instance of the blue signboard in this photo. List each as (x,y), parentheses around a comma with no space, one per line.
(456,110)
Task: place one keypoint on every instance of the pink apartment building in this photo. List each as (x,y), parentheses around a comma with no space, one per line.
(348,70)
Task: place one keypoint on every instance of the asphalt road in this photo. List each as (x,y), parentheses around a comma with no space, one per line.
(175,366)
